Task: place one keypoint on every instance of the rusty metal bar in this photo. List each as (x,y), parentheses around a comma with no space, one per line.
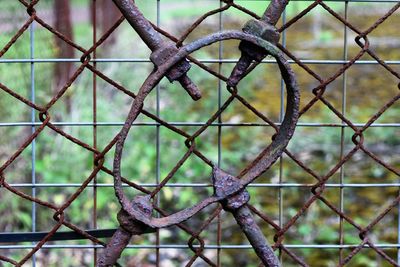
(274,11)
(162,50)
(246,221)
(263,28)
(136,19)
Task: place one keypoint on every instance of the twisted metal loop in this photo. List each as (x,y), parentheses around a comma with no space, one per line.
(262,162)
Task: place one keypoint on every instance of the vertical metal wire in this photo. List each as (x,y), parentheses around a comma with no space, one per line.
(220,54)
(33,153)
(342,136)
(398,231)
(281,116)
(158,158)
(94,107)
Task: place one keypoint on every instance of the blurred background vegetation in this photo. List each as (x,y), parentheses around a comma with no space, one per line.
(317,36)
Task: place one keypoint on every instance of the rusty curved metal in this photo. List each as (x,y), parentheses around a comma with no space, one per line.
(135,217)
(266,158)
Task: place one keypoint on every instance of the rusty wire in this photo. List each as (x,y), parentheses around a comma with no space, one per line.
(135,217)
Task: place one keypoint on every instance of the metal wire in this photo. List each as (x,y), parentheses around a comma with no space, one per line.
(33,119)
(90,62)
(185,246)
(223,60)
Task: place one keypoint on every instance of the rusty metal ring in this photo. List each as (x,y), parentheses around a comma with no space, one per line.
(265,159)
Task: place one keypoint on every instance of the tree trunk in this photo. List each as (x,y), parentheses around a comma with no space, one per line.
(106,15)
(63,71)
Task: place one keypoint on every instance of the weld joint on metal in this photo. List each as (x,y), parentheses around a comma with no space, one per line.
(144,207)
(225,185)
(178,73)
(263,30)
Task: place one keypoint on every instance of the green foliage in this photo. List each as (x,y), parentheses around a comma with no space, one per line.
(60,161)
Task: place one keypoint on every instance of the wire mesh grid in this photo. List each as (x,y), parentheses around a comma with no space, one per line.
(331,194)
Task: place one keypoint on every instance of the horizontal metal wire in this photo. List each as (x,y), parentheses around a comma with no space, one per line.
(286,185)
(143,60)
(349,1)
(244,124)
(185,246)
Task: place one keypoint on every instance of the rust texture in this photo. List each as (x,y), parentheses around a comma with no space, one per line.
(263,28)
(171,56)
(162,50)
(229,191)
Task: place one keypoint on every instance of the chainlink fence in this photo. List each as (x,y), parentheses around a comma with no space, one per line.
(67,81)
